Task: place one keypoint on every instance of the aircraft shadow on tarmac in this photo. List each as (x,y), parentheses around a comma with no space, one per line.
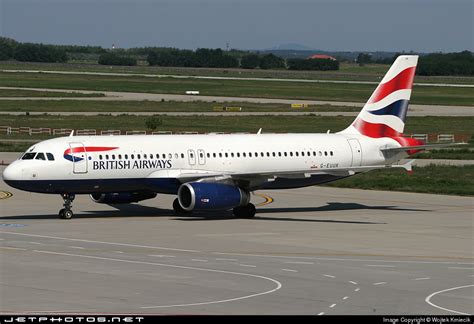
(136,210)
(330,206)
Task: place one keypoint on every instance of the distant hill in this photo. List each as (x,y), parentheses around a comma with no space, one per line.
(291,47)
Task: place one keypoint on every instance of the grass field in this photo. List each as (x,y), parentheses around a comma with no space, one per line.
(450,154)
(347,71)
(31,93)
(234,88)
(292,124)
(151,106)
(431,179)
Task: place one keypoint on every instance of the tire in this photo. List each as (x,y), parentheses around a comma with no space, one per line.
(245,211)
(68,214)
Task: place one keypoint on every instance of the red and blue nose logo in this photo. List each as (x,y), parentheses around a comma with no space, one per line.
(75,154)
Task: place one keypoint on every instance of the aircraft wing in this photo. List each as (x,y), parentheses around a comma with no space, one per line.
(195,175)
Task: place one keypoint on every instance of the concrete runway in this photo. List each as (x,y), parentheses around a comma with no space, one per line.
(316,250)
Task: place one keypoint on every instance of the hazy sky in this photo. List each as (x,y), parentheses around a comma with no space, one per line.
(368,25)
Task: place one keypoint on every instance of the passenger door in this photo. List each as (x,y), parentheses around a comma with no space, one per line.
(201,157)
(191,157)
(78,156)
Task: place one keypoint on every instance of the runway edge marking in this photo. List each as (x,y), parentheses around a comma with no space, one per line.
(428,299)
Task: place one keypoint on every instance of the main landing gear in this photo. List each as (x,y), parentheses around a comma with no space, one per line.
(66,212)
(247,211)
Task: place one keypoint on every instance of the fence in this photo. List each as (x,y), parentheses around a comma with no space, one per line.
(9,130)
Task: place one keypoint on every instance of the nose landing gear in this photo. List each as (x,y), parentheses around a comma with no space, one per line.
(66,212)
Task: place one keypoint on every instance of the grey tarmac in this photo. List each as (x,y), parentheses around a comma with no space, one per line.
(316,250)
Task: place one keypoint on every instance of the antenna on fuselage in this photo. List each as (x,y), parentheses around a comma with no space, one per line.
(259,131)
(72,133)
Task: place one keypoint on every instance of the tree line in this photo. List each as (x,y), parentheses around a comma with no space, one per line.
(31,52)
(431,64)
(435,64)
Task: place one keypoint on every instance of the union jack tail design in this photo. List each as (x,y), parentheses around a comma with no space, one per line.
(384,113)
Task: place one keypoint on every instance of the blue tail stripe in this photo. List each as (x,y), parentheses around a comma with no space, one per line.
(398,108)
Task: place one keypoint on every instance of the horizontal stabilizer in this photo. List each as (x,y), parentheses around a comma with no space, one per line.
(419,147)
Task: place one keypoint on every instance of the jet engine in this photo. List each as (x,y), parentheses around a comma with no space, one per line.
(208,196)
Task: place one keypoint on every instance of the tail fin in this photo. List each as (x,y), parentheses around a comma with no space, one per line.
(384,113)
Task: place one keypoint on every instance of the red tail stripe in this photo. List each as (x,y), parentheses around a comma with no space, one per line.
(403,80)
(374,130)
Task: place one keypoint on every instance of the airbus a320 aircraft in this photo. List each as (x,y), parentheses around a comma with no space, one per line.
(212,172)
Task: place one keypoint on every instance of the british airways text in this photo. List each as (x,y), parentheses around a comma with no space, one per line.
(140,164)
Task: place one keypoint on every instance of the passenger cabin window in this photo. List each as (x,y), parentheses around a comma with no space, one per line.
(50,156)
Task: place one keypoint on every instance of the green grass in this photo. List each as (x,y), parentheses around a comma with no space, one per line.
(311,123)
(235,88)
(450,154)
(347,71)
(450,180)
(32,93)
(151,106)
(14,146)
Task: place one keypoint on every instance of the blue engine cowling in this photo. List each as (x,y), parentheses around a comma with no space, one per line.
(206,196)
(121,197)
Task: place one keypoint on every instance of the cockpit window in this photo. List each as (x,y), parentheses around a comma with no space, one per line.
(29,156)
(50,156)
(40,156)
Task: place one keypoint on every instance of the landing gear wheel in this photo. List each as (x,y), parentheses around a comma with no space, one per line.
(66,212)
(247,211)
(178,210)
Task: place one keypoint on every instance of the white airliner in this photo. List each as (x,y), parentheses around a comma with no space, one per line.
(212,172)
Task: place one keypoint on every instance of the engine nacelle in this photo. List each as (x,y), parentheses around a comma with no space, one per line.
(206,196)
(121,197)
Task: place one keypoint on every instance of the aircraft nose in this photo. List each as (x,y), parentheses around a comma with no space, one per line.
(12,173)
